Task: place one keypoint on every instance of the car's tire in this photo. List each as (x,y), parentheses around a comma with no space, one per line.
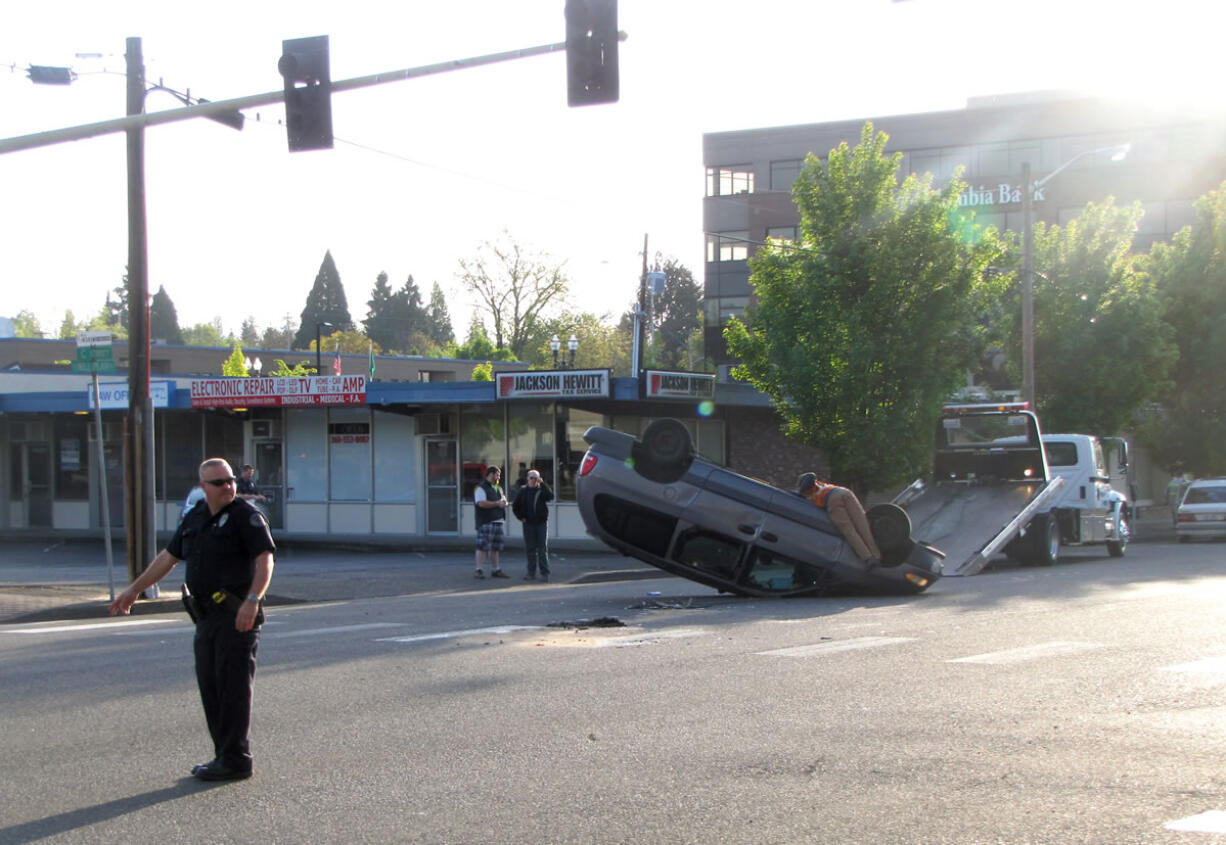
(891,529)
(1123,530)
(1044,540)
(666,442)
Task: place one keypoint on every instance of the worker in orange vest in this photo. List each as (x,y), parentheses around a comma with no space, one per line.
(846,512)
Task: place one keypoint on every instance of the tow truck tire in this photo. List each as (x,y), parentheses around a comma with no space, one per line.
(1123,530)
(1044,540)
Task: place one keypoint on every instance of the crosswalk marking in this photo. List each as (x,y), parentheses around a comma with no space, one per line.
(87,626)
(1208,666)
(340,629)
(835,646)
(1211,821)
(1030,652)
(470,632)
(648,638)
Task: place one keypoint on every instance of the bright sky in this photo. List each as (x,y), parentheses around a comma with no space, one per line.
(425,170)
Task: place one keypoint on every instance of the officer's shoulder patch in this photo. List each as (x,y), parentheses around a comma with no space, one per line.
(257,520)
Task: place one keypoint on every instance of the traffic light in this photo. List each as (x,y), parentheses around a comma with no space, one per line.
(591,52)
(308,93)
(43,75)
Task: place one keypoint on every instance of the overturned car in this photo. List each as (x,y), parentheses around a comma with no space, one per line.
(655,500)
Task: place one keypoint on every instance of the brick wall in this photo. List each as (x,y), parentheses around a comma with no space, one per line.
(757,448)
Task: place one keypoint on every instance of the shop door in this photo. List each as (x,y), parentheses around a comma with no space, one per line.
(31,481)
(268,480)
(442,487)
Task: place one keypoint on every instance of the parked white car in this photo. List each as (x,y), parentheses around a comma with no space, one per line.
(1202,511)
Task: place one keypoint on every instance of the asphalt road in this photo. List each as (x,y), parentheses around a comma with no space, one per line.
(1078,703)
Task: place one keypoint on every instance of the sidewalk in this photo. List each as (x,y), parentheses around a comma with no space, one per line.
(54,580)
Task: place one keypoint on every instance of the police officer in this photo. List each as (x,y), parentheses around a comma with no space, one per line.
(229,554)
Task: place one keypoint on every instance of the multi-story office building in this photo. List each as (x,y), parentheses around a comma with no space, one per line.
(1173,159)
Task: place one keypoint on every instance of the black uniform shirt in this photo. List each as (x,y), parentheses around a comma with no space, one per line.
(221,548)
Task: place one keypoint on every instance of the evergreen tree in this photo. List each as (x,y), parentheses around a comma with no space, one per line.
(69,327)
(163,319)
(279,338)
(234,366)
(414,313)
(381,314)
(326,303)
(249,334)
(438,321)
(116,310)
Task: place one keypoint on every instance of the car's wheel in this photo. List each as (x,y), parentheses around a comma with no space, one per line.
(1123,530)
(1044,540)
(891,528)
(667,442)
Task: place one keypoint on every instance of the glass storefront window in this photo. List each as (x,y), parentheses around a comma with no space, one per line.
(72,457)
(305,451)
(482,444)
(529,443)
(395,458)
(349,454)
(571,423)
(179,444)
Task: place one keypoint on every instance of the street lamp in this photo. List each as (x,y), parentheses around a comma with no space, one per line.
(318,361)
(1117,153)
(555,346)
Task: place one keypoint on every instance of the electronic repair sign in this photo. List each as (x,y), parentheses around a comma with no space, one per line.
(278,392)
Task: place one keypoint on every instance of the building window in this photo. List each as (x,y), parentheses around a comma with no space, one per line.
(720,308)
(571,423)
(482,444)
(784,173)
(395,470)
(728,246)
(305,456)
(71,457)
(729,181)
(781,233)
(349,454)
(530,443)
(941,162)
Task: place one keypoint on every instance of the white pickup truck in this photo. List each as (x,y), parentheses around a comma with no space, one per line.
(995,489)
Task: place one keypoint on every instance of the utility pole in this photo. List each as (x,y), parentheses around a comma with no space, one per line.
(138,427)
(640,307)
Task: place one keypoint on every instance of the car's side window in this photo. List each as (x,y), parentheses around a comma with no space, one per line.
(771,571)
(709,552)
(642,527)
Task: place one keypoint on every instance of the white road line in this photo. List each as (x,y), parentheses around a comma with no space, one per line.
(471,632)
(648,638)
(835,646)
(1030,652)
(341,629)
(1211,821)
(90,626)
(1208,666)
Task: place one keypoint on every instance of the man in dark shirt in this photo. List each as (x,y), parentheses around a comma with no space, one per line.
(229,554)
(246,485)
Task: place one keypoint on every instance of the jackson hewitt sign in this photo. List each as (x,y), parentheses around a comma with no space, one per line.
(538,384)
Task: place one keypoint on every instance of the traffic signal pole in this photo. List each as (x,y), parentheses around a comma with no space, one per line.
(216,107)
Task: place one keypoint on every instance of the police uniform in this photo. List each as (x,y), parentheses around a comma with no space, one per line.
(220,551)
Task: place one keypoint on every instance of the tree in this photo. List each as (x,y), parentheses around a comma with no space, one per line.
(514,288)
(279,338)
(1102,351)
(163,319)
(116,310)
(676,313)
(438,320)
(25,324)
(280,369)
(326,303)
(1189,430)
(234,366)
(69,326)
(600,344)
(479,347)
(205,334)
(249,333)
(864,326)
(381,314)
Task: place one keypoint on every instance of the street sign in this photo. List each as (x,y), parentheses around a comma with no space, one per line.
(94,359)
(100,338)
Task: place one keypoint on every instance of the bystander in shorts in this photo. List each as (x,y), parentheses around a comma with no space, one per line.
(490,537)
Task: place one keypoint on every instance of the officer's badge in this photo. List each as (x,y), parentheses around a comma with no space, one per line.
(225,517)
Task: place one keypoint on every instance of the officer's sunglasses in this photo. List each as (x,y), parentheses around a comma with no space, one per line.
(220,482)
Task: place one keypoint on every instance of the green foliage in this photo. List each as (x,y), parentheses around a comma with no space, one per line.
(164,319)
(205,334)
(600,345)
(483,372)
(249,333)
(1189,432)
(479,346)
(1102,351)
(515,288)
(438,320)
(676,315)
(281,369)
(68,327)
(865,325)
(233,366)
(326,303)
(396,319)
(25,324)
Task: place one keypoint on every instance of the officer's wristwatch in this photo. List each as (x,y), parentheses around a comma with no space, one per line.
(253,597)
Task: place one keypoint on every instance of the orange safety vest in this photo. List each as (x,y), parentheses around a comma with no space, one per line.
(819,492)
